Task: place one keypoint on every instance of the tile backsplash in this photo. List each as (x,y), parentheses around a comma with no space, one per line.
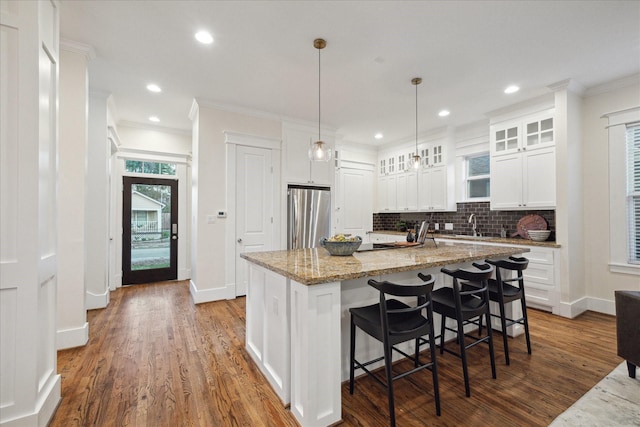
(488,222)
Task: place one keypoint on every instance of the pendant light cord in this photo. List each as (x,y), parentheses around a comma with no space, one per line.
(319,121)
(416,120)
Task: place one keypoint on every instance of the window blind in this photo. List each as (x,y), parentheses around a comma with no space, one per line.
(633,193)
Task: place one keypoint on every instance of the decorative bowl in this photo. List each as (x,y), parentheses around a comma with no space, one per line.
(538,235)
(341,248)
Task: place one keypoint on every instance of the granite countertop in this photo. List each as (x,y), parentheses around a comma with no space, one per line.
(502,240)
(314,266)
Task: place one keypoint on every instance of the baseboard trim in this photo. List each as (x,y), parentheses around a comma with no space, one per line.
(209,295)
(70,338)
(46,405)
(93,301)
(583,304)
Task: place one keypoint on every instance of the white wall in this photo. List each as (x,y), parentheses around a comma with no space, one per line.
(600,282)
(154,139)
(72,326)
(209,171)
(569,197)
(29,58)
(97,203)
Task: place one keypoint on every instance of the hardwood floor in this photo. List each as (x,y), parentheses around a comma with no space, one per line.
(156,359)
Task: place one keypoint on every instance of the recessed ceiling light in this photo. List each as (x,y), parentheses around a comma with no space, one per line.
(512,89)
(444,113)
(378,136)
(204,37)
(152,87)
(154,119)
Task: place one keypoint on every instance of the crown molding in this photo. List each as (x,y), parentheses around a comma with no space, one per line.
(633,79)
(79,48)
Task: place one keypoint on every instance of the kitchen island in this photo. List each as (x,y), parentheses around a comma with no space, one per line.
(297,325)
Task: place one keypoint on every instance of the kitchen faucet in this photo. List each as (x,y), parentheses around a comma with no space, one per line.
(472,220)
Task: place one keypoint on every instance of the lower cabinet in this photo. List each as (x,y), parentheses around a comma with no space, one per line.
(386,238)
(541,278)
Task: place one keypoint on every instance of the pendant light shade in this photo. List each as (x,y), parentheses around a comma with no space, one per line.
(416,157)
(319,151)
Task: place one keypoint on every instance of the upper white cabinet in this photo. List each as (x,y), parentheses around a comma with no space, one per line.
(523,169)
(432,155)
(433,191)
(297,168)
(402,188)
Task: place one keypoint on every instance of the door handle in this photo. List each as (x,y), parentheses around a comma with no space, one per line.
(239,240)
(174,237)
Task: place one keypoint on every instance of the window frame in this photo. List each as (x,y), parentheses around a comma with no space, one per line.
(468,178)
(632,156)
(618,199)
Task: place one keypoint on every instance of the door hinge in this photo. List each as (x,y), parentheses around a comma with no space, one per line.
(271,169)
(271,220)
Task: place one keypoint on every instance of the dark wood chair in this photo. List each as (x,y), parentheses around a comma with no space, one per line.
(392,322)
(503,292)
(465,307)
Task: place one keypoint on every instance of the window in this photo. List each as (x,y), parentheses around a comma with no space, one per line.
(477,177)
(633,193)
(154,168)
(624,190)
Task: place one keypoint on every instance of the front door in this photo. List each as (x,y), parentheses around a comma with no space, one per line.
(149,230)
(254,207)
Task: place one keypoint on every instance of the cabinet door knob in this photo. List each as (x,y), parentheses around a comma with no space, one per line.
(239,240)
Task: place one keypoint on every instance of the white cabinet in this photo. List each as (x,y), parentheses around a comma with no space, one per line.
(387,193)
(386,238)
(354,200)
(523,168)
(432,155)
(432,189)
(407,191)
(403,188)
(541,279)
(297,167)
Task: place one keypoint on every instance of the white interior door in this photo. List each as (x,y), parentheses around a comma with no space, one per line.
(254,207)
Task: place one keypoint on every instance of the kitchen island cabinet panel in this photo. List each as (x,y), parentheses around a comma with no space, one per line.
(267,333)
(320,289)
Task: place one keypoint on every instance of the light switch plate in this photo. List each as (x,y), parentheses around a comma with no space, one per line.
(448,226)
(436,226)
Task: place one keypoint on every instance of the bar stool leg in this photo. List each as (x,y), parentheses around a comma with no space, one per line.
(352,355)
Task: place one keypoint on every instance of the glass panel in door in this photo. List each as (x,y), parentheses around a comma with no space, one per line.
(149,230)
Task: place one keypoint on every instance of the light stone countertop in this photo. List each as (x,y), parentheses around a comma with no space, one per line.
(314,266)
(501,240)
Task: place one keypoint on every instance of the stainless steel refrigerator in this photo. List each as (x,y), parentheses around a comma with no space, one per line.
(308,216)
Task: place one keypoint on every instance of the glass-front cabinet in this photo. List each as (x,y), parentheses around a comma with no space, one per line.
(524,134)
(402,187)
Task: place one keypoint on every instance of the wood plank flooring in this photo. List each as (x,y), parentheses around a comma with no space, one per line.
(156,359)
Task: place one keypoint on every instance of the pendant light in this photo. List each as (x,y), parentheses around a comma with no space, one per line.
(319,151)
(416,157)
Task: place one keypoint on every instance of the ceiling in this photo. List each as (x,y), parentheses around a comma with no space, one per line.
(263,59)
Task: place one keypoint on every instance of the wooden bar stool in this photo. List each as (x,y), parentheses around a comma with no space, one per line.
(393,322)
(502,292)
(465,307)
